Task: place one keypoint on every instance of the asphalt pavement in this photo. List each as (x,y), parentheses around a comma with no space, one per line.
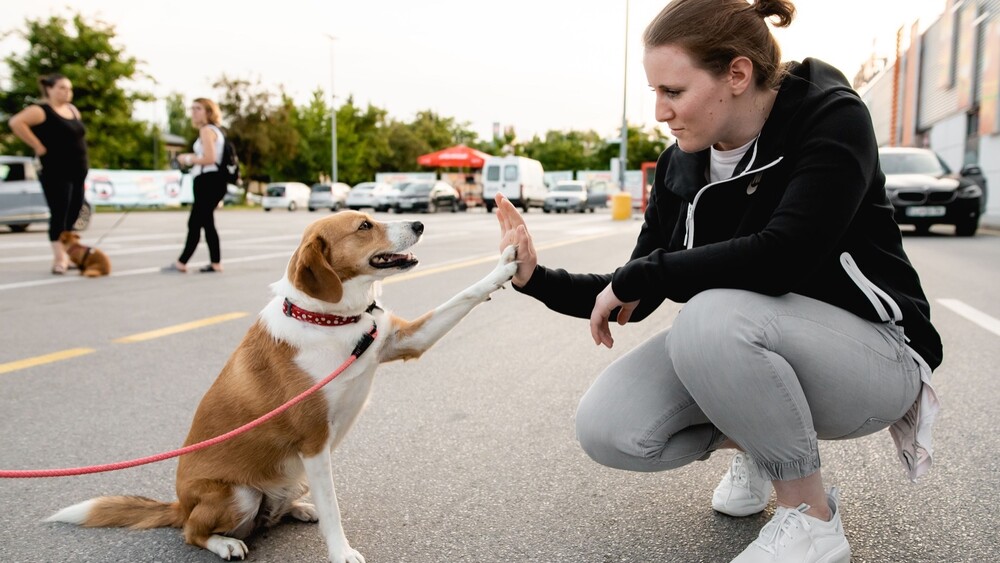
(467,454)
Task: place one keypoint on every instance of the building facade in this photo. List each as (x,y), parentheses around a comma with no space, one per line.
(941,92)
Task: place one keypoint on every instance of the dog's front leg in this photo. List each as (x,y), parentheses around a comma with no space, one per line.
(319,471)
(411,339)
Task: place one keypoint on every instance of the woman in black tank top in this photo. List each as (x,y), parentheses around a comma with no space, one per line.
(56,133)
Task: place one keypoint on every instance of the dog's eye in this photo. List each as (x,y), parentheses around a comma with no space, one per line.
(365,226)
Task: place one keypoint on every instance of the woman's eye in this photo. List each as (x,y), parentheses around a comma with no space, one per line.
(365,225)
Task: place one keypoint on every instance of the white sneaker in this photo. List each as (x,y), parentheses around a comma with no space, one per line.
(743,490)
(794,537)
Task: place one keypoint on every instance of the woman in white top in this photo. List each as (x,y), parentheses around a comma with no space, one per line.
(209,185)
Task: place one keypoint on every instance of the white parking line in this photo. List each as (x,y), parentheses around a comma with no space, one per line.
(971,313)
(111,248)
(139,271)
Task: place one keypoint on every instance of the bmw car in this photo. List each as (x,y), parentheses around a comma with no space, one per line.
(924,191)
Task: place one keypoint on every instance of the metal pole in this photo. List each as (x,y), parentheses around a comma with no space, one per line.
(333,117)
(623,149)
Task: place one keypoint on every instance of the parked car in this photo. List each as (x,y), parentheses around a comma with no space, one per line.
(924,191)
(575,195)
(285,195)
(520,179)
(234,195)
(428,197)
(328,196)
(375,195)
(21,199)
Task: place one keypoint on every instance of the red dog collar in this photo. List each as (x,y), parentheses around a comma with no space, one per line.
(322,319)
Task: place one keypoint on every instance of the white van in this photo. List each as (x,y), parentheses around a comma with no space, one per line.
(520,179)
(286,195)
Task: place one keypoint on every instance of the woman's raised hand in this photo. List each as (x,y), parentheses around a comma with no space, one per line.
(513,231)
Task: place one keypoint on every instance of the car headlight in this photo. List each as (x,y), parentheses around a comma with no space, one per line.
(969,192)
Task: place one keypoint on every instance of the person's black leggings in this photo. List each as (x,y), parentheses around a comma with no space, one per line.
(209,189)
(65,198)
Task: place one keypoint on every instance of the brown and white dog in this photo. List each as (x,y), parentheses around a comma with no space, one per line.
(91,261)
(322,308)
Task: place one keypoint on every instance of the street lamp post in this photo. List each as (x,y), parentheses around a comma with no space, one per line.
(623,148)
(333,117)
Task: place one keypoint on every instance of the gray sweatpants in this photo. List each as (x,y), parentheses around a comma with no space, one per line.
(771,373)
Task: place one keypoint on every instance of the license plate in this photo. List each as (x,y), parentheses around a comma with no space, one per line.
(405,205)
(926,211)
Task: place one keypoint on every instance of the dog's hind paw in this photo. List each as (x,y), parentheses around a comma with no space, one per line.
(346,555)
(226,547)
(304,512)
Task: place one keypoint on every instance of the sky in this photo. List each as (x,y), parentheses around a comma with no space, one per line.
(535,65)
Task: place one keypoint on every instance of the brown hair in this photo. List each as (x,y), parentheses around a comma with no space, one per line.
(212,113)
(47,81)
(714,32)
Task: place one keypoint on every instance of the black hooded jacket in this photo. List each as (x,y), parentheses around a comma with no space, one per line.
(805,212)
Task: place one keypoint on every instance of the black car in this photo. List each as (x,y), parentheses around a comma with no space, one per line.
(427,196)
(924,191)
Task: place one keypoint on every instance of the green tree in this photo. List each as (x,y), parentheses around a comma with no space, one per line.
(85,52)
(260,130)
(570,150)
(643,146)
(178,118)
(363,143)
(312,121)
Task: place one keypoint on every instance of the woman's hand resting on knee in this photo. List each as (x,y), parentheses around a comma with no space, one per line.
(605,303)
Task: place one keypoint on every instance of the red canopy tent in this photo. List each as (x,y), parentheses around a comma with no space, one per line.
(459,156)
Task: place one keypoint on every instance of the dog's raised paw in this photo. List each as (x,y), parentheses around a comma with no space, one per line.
(506,267)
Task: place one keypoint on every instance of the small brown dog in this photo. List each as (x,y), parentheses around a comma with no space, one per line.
(91,261)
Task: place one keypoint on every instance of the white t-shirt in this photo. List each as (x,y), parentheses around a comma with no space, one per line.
(723,163)
(200,151)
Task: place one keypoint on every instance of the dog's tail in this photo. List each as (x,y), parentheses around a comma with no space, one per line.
(121,512)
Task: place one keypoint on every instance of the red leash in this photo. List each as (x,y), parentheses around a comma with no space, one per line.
(366,341)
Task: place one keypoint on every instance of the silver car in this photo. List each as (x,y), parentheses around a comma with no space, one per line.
(21,199)
(328,196)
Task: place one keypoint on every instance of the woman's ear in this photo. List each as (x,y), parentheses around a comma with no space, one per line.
(740,75)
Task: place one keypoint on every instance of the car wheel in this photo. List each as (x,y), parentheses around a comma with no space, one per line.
(83,220)
(292,206)
(431,207)
(489,207)
(267,209)
(311,209)
(968,227)
(454,206)
(19,228)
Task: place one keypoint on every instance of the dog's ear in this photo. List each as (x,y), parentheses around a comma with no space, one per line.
(67,237)
(311,272)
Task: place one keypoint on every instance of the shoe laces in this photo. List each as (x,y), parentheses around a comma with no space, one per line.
(782,527)
(738,471)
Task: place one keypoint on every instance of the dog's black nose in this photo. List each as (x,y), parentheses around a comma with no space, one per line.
(417,227)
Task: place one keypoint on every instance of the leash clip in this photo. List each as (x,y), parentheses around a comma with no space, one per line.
(366,341)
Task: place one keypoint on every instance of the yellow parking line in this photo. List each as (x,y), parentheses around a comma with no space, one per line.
(46,359)
(179,328)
